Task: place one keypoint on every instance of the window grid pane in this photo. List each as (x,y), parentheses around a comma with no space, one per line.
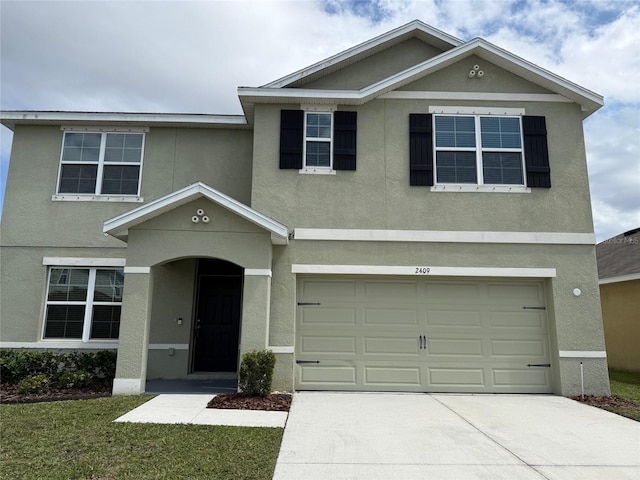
(318,154)
(318,125)
(120,180)
(502,168)
(455,132)
(456,167)
(78,179)
(68,301)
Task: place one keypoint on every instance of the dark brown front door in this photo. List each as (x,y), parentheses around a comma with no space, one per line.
(217,322)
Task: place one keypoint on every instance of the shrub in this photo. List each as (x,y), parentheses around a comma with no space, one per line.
(16,365)
(256,373)
(77,379)
(33,384)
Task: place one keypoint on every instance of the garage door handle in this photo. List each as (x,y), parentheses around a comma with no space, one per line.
(548,365)
(308,303)
(423,342)
(307,361)
(534,308)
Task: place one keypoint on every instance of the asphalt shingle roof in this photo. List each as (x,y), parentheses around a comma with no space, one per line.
(619,255)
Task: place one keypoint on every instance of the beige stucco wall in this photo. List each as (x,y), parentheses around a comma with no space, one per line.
(173,158)
(621,317)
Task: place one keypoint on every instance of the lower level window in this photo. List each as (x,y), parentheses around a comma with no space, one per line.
(84,303)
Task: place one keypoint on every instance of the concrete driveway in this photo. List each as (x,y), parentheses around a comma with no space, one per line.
(438,436)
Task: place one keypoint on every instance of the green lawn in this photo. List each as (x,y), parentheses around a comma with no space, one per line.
(78,440)
(626,385)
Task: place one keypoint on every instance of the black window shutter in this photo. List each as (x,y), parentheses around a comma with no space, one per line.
(536,153)
(291,138)
(420,150)
(344,140)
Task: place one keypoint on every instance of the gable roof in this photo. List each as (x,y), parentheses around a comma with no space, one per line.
(275,93)
(416,28)
(619,257)
(119,226)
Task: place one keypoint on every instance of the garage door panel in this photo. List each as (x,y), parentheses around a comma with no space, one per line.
(533,349)
(515,293)
(391,346)
(454,318)
(456,377)
(446,292)
(519,319)
(328,376)
(328,289)
(454,347)
(392,376)
(390,290)
(328,316)
(518,378)
(318,344)
(390,317)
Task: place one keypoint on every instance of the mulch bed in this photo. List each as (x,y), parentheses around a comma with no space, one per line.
(615,402)
(9,394)
(279,402)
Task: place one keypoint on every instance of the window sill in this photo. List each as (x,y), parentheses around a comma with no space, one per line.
(316,171)
(70,197)
(481,188)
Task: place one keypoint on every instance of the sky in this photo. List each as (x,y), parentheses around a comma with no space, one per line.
(190,57)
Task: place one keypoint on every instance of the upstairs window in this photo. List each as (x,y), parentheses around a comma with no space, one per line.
(317,145)
(101,163)
(83,303)
(482,150)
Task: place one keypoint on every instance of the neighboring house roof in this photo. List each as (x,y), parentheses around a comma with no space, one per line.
(619,257)
(119,226)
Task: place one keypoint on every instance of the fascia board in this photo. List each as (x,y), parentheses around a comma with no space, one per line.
(589,100)
(361,49)
(118,226)
(12,118)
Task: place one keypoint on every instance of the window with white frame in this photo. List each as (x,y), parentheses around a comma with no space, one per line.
(83,303)
(318,136)
(476,149)
(101,163)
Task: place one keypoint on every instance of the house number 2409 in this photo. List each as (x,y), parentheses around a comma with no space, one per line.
(422,270)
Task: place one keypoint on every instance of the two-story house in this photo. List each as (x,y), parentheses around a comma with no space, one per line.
(411,214)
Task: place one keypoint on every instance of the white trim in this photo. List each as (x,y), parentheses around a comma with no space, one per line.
(281,349)
(460,188)
(62,344)
(513,112)
(83,262)
(74,197)
(119,226)
(128,270)
(424,271)
(475,96)
(128,386)
(621,278)
(69,128)
(15,117)
(583,354)
(166,346)
(316,171)
(436,236)
(257,272)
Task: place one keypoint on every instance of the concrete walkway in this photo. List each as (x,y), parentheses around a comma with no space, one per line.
(192,409)
(458,437)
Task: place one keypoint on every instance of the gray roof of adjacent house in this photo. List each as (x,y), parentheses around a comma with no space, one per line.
(619,256)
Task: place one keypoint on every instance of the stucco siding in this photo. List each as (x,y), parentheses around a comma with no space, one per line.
(381,182)
(621,317)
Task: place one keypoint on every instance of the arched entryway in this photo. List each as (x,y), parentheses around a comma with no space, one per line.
(217,316)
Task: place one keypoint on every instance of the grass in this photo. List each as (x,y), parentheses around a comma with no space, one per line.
(626,385)
(78,440)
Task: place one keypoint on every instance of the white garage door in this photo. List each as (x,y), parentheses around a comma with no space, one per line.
(381,334)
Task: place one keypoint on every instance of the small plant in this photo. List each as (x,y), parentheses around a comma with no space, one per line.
(256,373)
(33,384)
(77,379)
